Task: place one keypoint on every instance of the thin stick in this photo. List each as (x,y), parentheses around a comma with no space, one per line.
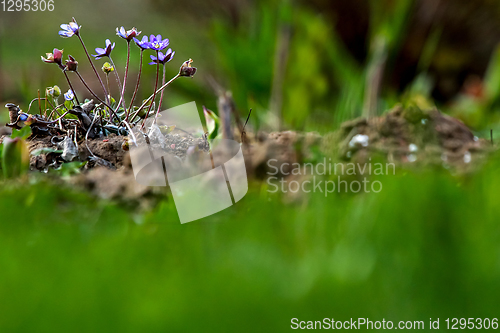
(87,137)
(39,104)
(55,110)
(243,133)
(248,117)
(34,99)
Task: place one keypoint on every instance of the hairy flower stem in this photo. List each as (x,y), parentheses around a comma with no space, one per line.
(118,81)
(97,97)
(136,86)
(150,97)
(107,87)
(71,87)
(126,75)
(92,64)
(161,96)
(154,91)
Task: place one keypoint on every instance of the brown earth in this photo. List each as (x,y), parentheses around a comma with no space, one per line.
(410,138)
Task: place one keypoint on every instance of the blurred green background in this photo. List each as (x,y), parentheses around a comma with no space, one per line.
(427,246)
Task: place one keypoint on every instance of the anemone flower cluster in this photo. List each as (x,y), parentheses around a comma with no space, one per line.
(108,109)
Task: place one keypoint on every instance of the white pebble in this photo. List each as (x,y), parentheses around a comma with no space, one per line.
(359,139)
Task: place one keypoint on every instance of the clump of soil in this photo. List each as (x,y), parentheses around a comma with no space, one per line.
(110,149)
(280,149)
(406,137)
(412,136)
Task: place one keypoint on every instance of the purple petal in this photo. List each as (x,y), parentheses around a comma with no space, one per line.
(158,38)
(108,42)
(123,32)
(65,26)
(152,38)
(153,57)
(66,33)
(98,50)
(152,63)
(73,26)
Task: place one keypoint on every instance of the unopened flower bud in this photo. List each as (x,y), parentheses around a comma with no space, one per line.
(71,64)
(54,91)
(186,69)
(107,68)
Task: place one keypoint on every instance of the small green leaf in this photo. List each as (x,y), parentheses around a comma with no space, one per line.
(68,104)
(45,150)
(23,133)
(71,168)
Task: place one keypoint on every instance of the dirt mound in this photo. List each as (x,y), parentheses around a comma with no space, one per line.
(409,138)
(413,136)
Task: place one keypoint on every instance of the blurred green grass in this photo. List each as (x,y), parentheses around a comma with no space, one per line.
(427,246)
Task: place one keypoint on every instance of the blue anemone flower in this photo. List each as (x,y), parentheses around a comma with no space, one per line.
(143,44)
(162,58)
(69,95)
(128,35)
(70,29)
(156,43)
(104,52)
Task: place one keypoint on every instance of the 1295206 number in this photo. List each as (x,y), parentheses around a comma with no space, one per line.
(471,323)
(27,5)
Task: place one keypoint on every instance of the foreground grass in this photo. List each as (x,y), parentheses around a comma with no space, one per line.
(427,246)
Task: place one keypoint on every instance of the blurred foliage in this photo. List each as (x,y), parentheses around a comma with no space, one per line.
(14,155)
(324,84)
(416,250)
